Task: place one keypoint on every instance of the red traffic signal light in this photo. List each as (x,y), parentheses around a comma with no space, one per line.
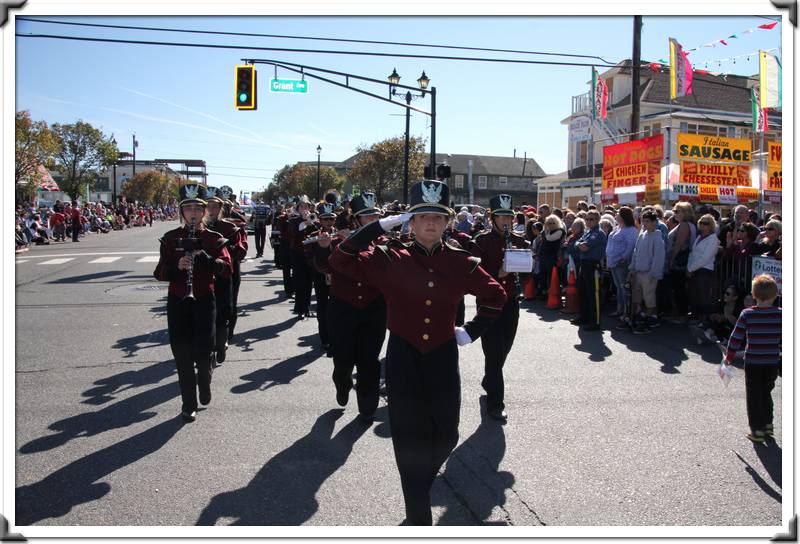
(245,87)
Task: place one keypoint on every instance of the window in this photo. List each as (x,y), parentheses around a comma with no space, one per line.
(655,129)
(581,153)
(481,182)
(502,181)
(459,181)
(101,185)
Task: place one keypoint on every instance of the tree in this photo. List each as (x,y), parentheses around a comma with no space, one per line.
(82,151)
(151,187)
(34,147)
(301,179)
(380,167)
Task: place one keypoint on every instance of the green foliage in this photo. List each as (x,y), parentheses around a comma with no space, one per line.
(35,146)
(81,151)
(380,167)
(301,179)
(151,187)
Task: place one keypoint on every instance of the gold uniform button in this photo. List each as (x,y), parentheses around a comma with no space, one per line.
(359,284)
(430,270)
(428,302)
(359,297)
(430,284)
(427,320)
(424,336)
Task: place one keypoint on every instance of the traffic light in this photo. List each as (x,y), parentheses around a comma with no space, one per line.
(245,88)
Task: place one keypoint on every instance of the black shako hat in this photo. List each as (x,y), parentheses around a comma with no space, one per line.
(325,210)
(429,196)
(364,204)
(226,193)
(192,193)
(501,205)
(213,195)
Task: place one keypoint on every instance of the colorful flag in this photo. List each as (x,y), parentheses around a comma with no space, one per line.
(680,71)
(770,80)
(759,114)
(599,95)
(768,26)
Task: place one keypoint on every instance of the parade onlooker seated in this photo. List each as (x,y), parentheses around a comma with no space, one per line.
(646,269)
(700,268)
(758,330)
(723,319)
(619,250)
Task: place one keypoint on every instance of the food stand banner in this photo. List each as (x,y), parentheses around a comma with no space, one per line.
(774,168)
(768,265)
(634,163)
(714,160)
(714,194)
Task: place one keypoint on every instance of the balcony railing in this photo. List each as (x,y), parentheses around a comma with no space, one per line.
(581,103)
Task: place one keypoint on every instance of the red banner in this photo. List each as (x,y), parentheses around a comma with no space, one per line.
(634,163)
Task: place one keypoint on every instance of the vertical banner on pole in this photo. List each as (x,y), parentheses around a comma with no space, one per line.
(680,71)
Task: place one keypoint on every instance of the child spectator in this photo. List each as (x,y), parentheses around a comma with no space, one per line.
(759,330)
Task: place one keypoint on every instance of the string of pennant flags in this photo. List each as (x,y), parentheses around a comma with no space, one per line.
(663,64)
(724,41)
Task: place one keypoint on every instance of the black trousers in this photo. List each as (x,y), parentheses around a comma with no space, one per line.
(302,278)
(286,259)
(76,229)
(236,282)
(223,292)
(460,313)
(356,339)
(496,343)
(322,294)
(589,292)
(276,249)
(677,282)
(759,381)
(191,337)
(424,396)
(260,236)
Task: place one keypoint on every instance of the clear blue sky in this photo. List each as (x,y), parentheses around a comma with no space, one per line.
(179,101)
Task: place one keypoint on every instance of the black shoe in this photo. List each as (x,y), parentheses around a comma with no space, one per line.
(366,418)
(325,347)
(188,417)
(498,414)
(342,397)
(220,356)
(205,398)
(576,321)
(591,327)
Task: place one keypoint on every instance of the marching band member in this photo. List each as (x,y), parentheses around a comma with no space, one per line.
(356,315)
(422,282)
(282,224)
(327,218)
(190,257)
(496,342)
(232,212)
(302,275)
(223,286)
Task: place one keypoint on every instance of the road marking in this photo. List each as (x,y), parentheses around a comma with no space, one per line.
(56,261)
(150,259)
(104,260)
(92,254)
(22,261)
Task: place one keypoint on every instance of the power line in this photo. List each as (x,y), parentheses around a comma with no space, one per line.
(324,51)
(281,36)
(237,176)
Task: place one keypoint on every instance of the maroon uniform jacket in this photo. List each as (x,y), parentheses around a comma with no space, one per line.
(489,247)
(422,289)
(357,292)
(235,237)
(213,243)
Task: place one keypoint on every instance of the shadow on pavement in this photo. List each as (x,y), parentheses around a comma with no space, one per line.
(77,482)
(115,416)
(89,277)
(539,308)
(592,343)
(656,346)
(472,479)
(771,455)
(130,346)
(281,373)
(129,379)
(283,491)
(253,307)
(247,338)
(760,482)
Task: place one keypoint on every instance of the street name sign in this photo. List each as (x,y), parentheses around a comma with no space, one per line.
(288,86)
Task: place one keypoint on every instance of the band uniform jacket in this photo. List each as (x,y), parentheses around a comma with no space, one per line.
(236,237)
(212,243)
(357,292)
(422,288)
(490,246)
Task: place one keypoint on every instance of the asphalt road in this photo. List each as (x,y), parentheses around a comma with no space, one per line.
(604,429)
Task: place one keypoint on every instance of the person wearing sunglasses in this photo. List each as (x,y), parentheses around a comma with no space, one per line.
(769,243)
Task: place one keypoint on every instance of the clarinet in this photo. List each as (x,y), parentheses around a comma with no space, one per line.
(190,269)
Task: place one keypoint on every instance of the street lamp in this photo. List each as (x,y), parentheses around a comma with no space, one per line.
(394,79)
(319,150)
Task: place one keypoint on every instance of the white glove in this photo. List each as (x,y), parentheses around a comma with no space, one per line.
(462,337)
(388,223)
(303,226)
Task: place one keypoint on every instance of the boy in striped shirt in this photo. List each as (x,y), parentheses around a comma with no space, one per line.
(759,330)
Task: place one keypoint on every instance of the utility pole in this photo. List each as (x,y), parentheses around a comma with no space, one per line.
(637,58)
(135,143)
(405,153)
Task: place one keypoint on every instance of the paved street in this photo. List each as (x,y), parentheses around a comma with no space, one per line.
(610,429)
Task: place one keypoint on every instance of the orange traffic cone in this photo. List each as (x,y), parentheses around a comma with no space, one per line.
(572,304)
(554,296)
(530,288)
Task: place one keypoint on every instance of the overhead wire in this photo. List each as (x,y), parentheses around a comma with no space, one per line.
(284,36)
